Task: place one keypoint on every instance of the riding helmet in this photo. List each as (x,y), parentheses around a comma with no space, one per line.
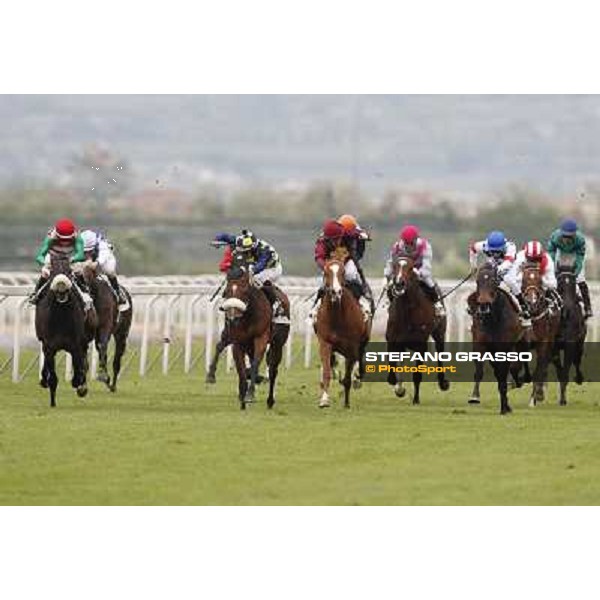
(409,234)
(496,241)
(332,229)
(348,222)
(65,229)
(568,227)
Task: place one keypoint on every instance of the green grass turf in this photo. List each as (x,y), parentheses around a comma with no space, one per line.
(174,440)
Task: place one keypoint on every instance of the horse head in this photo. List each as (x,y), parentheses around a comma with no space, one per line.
(403,275)
(532,288)
(334,278)
(60,278)
(237,293)
(487,287)
(567,283)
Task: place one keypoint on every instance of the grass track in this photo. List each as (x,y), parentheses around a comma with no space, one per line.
(176,441)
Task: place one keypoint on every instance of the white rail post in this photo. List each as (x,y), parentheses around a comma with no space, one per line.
(17,340)
(308,331)
(144,347)
(187,359)
(167,334)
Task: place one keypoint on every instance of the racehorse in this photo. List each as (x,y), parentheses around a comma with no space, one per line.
(61,323)
(496,328)
(111,323)
(250,327)
(340,327)
(545,320)
(569,343)
(411,322)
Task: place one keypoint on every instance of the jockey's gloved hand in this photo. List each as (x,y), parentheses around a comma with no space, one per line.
(45,272)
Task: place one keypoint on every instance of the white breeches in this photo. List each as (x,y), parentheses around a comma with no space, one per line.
(581,276)
(425,274)
(351,272)
(107,263)
(512,280)
(272,274)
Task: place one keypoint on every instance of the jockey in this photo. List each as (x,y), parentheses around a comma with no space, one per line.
(100,251)
(410,243)
(63,239)
(503,253)
(264,262)
(355,240)
(334,236)
(533,252)
(568,242)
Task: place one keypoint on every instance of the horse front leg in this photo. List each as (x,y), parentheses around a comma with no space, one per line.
(541,372)
(274,357)
(239,357)
(51,378)
(439,340)
(79,373)
(347,381)
(120,347)
(501,373)
(102,340)
(578,355)
(325,351)
(478,376)
(417,378)
(260,347)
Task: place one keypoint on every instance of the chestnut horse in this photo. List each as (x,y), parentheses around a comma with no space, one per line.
(340,327)
(496,328)
(250,327)
(61,323)
(111,323)
(411,322)
(545,320)
(569,343)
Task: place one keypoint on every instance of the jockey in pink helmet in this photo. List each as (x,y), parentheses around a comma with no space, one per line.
(410,243)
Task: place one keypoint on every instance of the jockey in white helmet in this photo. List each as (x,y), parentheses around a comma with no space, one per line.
(100,251)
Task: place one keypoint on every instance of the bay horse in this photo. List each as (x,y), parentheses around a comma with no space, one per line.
(496,328)
(545,321)
(111,323)
(411,322)
(61,323)
(569,343)
(340,327)
(251,328)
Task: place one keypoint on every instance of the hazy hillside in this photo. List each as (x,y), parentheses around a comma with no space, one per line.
(457,142)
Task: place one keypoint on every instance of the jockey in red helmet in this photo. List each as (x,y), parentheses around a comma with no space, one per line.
(63,239)
(410,243)
(533,252)
(343,232)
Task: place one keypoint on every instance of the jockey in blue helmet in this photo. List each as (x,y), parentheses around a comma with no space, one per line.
(503,253)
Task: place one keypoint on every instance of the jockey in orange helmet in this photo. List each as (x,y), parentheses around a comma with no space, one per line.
(63,239)
(410,243)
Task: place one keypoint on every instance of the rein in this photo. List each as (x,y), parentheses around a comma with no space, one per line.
(459,284)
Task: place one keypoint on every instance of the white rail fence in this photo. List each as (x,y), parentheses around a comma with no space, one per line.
(176,325)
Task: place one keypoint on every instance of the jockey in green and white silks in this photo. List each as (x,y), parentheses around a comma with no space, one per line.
(62,240)
(100,251)
(567,245)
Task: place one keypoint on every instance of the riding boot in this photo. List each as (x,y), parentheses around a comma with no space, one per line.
(34,297)
(554,300)
(585,296)
(269,291)
(368,294)
(84,294)
(118,290)
(356,288)
(317,303)
(525,314)
(435,294)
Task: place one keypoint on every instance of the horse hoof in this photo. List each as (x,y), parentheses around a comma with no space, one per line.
(505,411)
(474,400)
(270,403)
(400,392)
(532,402)
(210,378)
(82,391)
(444,385)
(324,403)
(112,388)
(356,384)
(579,379)
(562,403)
(44,384)
(416,402)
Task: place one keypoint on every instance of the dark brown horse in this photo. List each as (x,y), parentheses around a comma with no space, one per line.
(250,327)
(545,320)
(411,322)
(340,327)
(61,323)
(496,328)
(111,323)
(570,340)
